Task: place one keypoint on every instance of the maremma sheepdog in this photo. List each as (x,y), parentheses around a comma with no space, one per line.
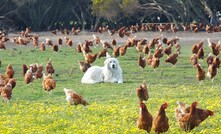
(110,72)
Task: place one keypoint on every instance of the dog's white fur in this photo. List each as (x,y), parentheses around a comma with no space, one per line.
(110,72)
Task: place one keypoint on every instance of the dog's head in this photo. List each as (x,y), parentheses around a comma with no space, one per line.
(111,63)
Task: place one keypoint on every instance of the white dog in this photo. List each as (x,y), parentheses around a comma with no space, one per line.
(110,72)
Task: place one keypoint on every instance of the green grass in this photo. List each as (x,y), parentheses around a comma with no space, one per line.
(113,108)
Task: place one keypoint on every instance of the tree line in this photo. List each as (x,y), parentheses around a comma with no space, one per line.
(90,14)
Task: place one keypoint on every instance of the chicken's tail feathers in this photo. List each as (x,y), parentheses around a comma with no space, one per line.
(178,102)
(208,75)
(108,55)
(84,102)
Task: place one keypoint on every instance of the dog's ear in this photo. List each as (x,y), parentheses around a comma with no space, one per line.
(106,61)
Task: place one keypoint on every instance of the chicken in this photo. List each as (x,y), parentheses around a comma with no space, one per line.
(4,79)
(66,31)
(111,32)
(122,31)
(172,59)
(2,46)
(192,116)
(89,42)
(212,71)
(168,50)
(116,51)
(54,32)
(211,44)
(197,46)
(142,61)
(96,39)
(174,28)
(49,67)
(172,41)
(39,72)
(78,47)
(24,69)
(42,46)
(180,110)
(29,76)
(215,47)
(48,42)
(204,113)
(196,29)
(55,48)
(145,49)
(145,119)
(209,59)
(200,53)
(6,92)
(106,45)
(185,27)
(34,67)
(9,71)
(114,42)
(123,50)
(216,61)
(76,31)
(183,109)
(69,42)
(73,98)
(158,53)
(216,50)
(201,74)
(149,59)
(86,48)
(161,121)
(35,42)
(102,53)
(142,92)
(152,43)
(12,81)
(194,59)
(21,41)
(48,83)
(84,66)
(178,47)
(59,41)
(155,62)
(139,46)
(90,58)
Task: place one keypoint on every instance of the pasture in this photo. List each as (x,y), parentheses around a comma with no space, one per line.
(113,108)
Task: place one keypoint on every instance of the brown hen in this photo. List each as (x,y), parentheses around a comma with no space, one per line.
(201,74)
(194,59)
(73,98)
(145,119)
(142,92)
(84,66)
(48,83)
(49,67)
(161,121)
(9,71)
(142,61)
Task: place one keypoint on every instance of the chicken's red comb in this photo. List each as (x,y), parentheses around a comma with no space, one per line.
(141,104)
(211,113)
(195,103)
(165,105)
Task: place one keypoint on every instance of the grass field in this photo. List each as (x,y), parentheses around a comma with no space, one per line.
(113,108)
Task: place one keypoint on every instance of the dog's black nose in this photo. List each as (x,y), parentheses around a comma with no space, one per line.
(113,66)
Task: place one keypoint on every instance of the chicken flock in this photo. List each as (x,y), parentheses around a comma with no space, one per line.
(187,117)
(150,53)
